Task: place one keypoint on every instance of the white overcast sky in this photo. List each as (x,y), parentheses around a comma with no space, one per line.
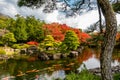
(9,7)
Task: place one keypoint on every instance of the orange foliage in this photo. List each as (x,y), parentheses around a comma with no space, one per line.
(54,30)
(58,31)
(84,37)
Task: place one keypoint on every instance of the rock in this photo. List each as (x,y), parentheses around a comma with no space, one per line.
(57,56)
(63,55)
(97,71)
(23,51)
(73,54)
(50,56)
(43,56)
(17,50)
(32,50)
(80,49)
(50,48)
(4,57)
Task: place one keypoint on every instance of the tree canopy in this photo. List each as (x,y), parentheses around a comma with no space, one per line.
(70,7)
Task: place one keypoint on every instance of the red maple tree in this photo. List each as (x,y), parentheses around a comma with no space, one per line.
(58,32)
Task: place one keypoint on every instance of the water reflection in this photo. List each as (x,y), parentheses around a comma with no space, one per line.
(55,75)
(33,70)
(25,70)
(90,58)
(92,62)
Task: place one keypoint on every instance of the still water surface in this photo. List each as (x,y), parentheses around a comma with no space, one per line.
(53,69)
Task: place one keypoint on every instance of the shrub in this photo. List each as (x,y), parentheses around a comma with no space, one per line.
(32,43)
(25,46)
(19,46)
(8,38)
(2,51)
(16,46)
(48,42)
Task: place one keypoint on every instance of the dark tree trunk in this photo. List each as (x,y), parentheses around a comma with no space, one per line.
(109,39)
(100,18)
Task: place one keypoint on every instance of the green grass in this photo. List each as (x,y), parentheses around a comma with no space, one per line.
(84,75)
(117,76)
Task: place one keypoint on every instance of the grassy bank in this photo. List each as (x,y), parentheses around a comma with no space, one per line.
(86,75)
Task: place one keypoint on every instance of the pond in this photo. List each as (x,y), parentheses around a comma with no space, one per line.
(53,69)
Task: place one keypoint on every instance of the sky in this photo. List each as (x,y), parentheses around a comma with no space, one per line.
(9,7)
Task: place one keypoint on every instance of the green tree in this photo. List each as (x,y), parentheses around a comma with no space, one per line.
(34,29)
(2,24)
(4,21)
(19,29)
(11,26)
(71,40)
(48,42)
(8,38)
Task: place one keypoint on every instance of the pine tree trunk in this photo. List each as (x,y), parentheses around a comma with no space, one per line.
(100,18)
(109,39)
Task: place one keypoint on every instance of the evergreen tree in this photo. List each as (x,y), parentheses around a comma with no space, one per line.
(34,29)
(19,29)
(71,40)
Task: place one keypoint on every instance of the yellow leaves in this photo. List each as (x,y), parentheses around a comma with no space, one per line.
(31,71)
(67,69)
(20,73)
(49,44)
(71,64)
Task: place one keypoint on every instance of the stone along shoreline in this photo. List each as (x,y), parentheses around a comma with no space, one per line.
(97,71)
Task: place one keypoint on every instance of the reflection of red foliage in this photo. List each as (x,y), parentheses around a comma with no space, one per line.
(31,59)
(57,67)
(67,69)
(117,36)
(87,53)
(118,59)
(32,43)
